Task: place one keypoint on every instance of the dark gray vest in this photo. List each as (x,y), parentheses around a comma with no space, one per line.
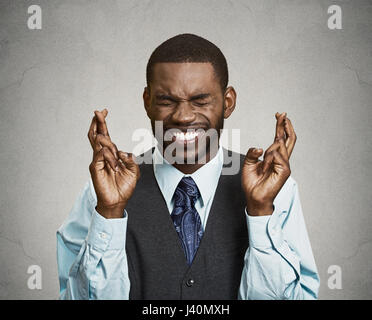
(156,261)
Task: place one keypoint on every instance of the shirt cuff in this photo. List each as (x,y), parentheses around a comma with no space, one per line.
(257,230)
(105,234)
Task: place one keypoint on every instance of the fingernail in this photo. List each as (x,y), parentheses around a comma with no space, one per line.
(116,168)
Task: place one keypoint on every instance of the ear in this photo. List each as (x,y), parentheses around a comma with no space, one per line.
(146,100)
(229,102)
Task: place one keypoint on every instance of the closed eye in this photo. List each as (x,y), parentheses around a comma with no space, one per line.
(199,103)
(167,103)
(197,100)
(164,100)
(200,99)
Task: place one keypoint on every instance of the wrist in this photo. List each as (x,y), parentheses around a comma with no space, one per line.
(111,212)
(259,209)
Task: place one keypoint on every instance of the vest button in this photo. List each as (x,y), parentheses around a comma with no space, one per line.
(190,282)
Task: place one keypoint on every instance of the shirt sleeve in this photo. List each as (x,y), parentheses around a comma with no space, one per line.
(279,262)
(91,257)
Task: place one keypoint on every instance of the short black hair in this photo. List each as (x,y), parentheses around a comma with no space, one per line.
(189,47)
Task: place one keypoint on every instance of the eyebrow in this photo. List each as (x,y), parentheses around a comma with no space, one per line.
(200,96)
(196,97)
(165,97)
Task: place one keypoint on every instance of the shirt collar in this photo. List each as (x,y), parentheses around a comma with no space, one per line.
(206,177)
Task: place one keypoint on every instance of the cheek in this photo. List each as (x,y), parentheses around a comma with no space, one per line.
(214,115)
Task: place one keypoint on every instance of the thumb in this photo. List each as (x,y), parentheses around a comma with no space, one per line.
(252,155)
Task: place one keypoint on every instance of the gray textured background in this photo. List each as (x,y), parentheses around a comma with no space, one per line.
(282,57)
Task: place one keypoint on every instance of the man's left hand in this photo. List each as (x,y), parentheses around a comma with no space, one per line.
(262,180)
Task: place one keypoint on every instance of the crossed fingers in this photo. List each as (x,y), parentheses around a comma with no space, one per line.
(284,129)
(98,126)
(100,141)
(279,152)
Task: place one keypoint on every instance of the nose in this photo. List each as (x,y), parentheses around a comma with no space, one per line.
(184,113)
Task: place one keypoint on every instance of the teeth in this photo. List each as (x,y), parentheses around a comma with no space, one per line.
(186,136)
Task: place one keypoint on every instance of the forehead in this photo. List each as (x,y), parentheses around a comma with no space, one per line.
(184,79)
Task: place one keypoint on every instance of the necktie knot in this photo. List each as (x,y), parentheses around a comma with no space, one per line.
(186,193)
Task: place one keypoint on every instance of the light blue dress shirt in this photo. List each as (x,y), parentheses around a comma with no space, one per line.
(278,263)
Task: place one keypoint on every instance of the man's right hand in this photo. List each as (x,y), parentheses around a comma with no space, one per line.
(114,173)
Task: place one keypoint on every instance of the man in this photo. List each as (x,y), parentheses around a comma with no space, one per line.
(178,228)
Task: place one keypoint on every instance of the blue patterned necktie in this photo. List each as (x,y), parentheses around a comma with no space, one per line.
(185,217)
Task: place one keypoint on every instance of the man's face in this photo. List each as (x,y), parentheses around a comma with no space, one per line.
(186,97)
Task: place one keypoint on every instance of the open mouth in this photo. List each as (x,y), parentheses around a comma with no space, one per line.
(185,138)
